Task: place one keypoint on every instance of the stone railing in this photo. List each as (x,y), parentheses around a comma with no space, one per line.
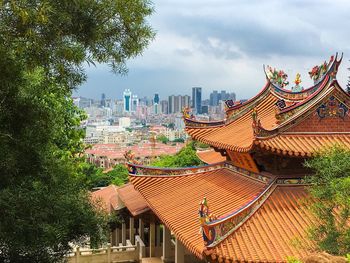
(135,169)
(217,230)
(109,254)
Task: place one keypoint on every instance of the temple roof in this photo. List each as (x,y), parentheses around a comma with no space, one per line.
(108,198)
(269,119)
(132,199)
(254,217)
(275,232)
(174,199)
(210,156)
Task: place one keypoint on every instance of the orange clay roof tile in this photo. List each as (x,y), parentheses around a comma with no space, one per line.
(108,196)
(210,156)
(277,230)
(132,199)
(175,199)
(238,135)
(303,144)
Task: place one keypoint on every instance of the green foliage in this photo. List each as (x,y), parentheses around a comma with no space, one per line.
(93,177)
(186,157)
(163,139)
(119,175)
(201,145)
(293,260)
(331,190)
(179,140)
(43,44)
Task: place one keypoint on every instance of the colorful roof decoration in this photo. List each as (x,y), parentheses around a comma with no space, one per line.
(274,113)
(242,216)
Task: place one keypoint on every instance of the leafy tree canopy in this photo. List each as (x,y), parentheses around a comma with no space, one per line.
(330,188)
(163,139)
(95,177)
(43,46)
(186,157)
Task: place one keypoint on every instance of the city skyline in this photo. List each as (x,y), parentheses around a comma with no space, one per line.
(201,44)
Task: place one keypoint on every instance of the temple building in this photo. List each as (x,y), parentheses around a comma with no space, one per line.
(253,204)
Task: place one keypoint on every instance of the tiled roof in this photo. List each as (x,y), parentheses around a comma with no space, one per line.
(108,197)
(132,199)
(238,135)
(303,144)
(277,230)
(175,199)
(273,127)
(210,156)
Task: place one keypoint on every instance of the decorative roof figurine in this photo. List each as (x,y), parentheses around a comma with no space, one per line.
(256,122)
(186,111)
(317,72)
(297,81)
(278,77)
(130,158)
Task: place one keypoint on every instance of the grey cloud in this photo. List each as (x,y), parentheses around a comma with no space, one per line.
(250,37)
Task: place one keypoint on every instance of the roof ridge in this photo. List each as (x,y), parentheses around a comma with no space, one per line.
(216,230)
(153,171)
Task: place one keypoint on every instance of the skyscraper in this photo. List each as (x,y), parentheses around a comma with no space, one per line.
(214,98)
(171,104)
(164,105)
(103,100)
(134,103)
(185,101)
(156,98)
(127,100)
(197,99)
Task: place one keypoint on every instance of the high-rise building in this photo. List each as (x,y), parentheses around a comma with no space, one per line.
(103,100)
(156,98)
(134,103)
(164,105)
(127,100)
(197,99)
(177,104)
(185,101)
(171,103)
(214,98)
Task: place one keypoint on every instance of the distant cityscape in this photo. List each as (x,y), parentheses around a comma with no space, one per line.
(153,123)
(143,108)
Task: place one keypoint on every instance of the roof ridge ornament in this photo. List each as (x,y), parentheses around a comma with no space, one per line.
(187,113)
(297,81)
(206,217)
(256,125)
(131,161)
(278,77)
(318,71)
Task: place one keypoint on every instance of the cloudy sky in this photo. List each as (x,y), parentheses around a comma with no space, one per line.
(223,44)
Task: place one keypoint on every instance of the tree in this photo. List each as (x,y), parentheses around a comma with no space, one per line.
(119,174)
(163,139)
(43,46)
(330,189)
(94,177)
(186,157)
